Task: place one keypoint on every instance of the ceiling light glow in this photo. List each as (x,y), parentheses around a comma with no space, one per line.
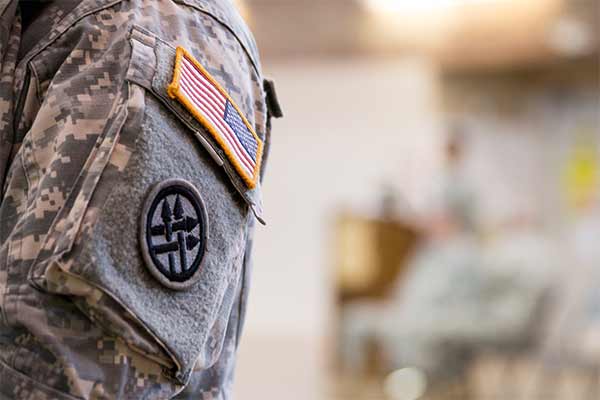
(404,6)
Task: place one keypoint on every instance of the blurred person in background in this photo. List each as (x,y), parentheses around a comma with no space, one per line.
(462,291)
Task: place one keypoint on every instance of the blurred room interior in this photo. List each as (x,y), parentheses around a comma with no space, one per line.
(432,200)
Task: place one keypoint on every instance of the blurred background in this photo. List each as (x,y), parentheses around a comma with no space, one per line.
(432,199)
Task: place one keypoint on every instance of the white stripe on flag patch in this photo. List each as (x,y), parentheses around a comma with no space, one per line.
(210,105)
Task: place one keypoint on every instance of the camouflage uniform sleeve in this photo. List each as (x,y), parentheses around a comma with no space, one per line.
(129,211)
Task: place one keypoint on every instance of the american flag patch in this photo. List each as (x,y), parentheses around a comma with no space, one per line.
(210,105)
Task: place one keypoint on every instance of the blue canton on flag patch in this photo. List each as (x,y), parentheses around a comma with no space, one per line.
(235,122)
(210,105)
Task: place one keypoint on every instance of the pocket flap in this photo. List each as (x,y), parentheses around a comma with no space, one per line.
(154,260)
(154,67)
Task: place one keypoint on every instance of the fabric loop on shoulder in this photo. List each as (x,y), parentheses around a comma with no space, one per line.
(272,101)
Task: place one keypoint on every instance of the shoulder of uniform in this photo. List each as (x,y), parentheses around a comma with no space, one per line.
(225,12)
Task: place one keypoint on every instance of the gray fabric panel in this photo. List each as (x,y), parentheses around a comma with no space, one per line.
(223,370)
(187,321)
(165,56)
(143,60)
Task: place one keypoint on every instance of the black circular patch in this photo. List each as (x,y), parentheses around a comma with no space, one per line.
(173,234)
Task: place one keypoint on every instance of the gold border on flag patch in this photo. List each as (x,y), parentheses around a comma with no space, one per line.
(212,106)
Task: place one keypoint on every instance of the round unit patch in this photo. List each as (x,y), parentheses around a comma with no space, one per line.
(173,233)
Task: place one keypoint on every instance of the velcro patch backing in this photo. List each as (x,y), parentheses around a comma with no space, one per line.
(210,105)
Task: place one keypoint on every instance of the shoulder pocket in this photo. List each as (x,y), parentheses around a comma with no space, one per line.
(152,67)
(157,252)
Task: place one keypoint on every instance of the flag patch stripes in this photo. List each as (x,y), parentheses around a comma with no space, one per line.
(210,105)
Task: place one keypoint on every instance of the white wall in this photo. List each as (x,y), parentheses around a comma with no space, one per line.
(348,127)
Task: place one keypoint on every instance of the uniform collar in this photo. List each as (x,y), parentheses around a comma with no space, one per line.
(84,8)
(8,10)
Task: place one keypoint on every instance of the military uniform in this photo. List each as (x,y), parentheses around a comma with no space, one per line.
(134,135)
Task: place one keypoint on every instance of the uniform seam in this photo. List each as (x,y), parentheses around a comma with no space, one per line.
(145,37)
(60,31)
(226,26)
(238,328)
(8,293)
(23,163)
(33,274)
(3,313)
(38,385)
(126,309)
(34,73)
(243,288)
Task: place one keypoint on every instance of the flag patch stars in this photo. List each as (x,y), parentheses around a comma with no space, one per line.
(210,105)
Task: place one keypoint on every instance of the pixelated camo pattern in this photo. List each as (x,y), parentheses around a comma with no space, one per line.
(68,120)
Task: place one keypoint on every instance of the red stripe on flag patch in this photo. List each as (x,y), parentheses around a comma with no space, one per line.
(210,105)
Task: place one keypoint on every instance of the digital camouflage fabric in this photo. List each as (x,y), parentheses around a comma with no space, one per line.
(87,129)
